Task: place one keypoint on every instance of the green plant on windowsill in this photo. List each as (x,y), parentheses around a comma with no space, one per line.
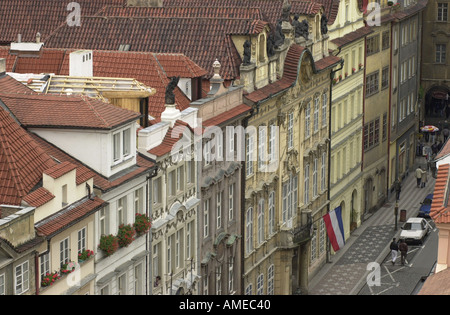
(85,255)
(109,244)
(49,279)
(126,235)
(142,224)
(67,268)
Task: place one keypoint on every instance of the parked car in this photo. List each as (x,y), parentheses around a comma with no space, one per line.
(424,211)
(415,230)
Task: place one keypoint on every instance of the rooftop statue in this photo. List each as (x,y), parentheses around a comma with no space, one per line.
(170,96)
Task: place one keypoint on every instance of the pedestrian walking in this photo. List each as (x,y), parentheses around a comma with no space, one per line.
(403,248)
(419,176)
(394,250)
(398,188)
(424,178)
(445,133)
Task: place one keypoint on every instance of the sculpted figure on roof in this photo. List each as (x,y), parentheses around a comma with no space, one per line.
(323,25)
(279,36)
(247,52)
(301,28)
(286,11)
(170,96)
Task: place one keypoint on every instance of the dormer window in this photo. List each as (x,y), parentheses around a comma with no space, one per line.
(121,145)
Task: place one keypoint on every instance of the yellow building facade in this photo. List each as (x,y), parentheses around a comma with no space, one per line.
(286,191)
(347,34)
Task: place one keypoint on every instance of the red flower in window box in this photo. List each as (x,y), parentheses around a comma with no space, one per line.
(109,244)
(142,224)
(125,235)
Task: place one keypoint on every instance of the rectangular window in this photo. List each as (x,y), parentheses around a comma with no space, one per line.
(385,40)
(384,126)
(103,220)
(64,252)
(260,221)
(81,240)
(249,230)
(373,45)
(272,143)
(230,202)
(116,147)
(126,140)
(307,120)
(122,210)
(290,130)
(2,284)
(442,13)
(371,134)
(219,210)
(157,190)
(440,53)
(385,78)
(316,114)
(315,177)
(22,278)
(121,284)
(138,280)
(372,83)
(249,155)
(322,172)
(44,265)
(306,185)
(262,158)
(138,201)
(206,218)
(271,213)
(64,195)
(324,109)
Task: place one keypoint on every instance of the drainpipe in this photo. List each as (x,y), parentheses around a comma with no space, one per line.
(147,241)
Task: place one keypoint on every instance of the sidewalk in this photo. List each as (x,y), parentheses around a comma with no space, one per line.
(346,273)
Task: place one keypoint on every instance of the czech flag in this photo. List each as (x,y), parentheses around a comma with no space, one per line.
(335,228)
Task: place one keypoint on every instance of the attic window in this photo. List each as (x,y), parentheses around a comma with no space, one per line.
(124,47)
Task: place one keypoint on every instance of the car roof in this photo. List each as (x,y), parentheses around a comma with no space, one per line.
(414,220)
(429,196)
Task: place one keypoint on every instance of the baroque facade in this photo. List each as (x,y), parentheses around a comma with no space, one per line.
(286,159)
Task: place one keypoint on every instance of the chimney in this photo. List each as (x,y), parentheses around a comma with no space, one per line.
(81,63)
(38,38)
(145,3)
(216,81)
(2,66)
(19,38)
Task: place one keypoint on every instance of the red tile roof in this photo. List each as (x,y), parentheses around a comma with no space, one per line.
(173,135)
(289,76)
(202,39)
(439,211)
(22,161)
(227,116)
(28,17)
(352,36)
(11,85)
(60,111)
(60,169)
(144,165)
(151,69)
(68,216)
(38,197)
(270,9)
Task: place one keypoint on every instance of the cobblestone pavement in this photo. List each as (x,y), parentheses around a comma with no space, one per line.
(346,273)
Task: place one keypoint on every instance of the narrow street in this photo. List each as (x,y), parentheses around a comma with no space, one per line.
(368,246)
